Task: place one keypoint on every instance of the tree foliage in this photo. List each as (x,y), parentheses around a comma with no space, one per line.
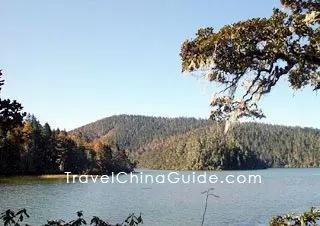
(249,57)
(11,114)
(310,218)
(11,117)
(10,217)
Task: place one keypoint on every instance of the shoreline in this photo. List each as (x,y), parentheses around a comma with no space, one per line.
(46,176)
(65,176)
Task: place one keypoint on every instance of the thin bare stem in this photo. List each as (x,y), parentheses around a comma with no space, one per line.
(208,193)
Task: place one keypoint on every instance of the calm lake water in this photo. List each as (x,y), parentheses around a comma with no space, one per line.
(281,191)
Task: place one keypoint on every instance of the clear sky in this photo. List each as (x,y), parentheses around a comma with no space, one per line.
(74,62)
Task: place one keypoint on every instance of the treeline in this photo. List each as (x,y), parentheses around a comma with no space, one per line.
(35,149)
(27,147)
(247,146)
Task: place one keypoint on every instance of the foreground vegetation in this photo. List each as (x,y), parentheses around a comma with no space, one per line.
(309,218)
(9,217)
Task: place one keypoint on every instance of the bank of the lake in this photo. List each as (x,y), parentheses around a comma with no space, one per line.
(281,191)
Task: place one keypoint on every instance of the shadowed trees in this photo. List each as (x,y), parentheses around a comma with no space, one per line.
(11,117)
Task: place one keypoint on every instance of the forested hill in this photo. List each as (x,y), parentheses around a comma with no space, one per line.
(189,143)
(133,131)
(247,146)
(281,146)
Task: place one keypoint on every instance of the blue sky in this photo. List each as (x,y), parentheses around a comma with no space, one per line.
(74,62)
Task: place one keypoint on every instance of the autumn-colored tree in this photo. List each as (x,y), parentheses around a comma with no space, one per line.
(26,130)
(103,157)
(255,54)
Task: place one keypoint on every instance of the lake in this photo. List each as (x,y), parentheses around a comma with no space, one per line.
(281,191)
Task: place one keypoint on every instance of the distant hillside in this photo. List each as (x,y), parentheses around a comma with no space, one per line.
(189,143)
(200,149)
(133,131)
(281,146)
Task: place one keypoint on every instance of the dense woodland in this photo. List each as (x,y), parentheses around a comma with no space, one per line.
(202,149)
(35,149)
(281,146)
(247,146)
(189,143)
